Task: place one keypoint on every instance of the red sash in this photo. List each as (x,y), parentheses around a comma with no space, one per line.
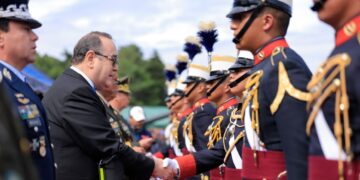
(320,168)
(269,165)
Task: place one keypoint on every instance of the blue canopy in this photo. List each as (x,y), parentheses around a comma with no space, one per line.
(37,79)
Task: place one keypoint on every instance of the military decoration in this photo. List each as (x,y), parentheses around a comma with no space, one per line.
(21,98)
(7,74)
(42,146)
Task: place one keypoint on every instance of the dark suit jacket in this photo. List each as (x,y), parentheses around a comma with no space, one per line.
(82,134)
(33,119)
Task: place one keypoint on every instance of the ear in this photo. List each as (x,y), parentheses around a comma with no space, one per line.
(89,59)
(2,38)
(201,88)
(267,21)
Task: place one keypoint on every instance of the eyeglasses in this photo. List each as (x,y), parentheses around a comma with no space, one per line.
(113,58)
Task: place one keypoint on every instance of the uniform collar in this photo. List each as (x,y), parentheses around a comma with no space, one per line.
(232,101)
(349,30)
(83,75)
(201,102)
(185,113)
(266,51)
(20,75)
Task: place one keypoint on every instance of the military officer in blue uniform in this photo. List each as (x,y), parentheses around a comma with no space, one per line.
(15,161)
(218,91)
(17,49)
(334,120)
(274,107)
(202,109)
(227,151)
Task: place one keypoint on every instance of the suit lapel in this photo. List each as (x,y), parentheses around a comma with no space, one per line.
(74,74)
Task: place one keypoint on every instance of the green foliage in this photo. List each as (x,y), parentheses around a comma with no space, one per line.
(51,66)
(146,76)
(147,81)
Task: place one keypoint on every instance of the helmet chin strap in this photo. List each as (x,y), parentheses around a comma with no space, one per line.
(216,85)
(253,16)
(318,5)
(192,89)
(238,80)
(174,103)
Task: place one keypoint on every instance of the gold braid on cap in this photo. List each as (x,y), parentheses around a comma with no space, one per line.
(214,131)
(251,94)
(331,79)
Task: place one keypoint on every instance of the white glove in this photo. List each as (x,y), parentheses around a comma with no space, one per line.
(173,164)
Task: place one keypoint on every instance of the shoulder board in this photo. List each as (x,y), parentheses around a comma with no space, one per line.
(285,86)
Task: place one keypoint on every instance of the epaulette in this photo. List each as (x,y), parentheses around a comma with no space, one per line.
(285,86)
(330,79)
(214,131)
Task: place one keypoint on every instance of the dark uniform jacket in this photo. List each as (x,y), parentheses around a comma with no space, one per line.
(220,121)
(82,134)
(208,159)
(201,118)
(33,119)
(13,159)
(344,64)
(275,112)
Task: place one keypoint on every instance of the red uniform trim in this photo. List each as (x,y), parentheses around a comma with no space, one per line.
(201,102)
(187,166)
(321,168)
(269,164)
(266,51)
(348,31)
(185,113)
(217,173)
(232,173)
(159,155)
(185,151)
(226,106)
(225,173)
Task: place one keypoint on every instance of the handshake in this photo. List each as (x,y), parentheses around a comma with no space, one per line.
(167,169)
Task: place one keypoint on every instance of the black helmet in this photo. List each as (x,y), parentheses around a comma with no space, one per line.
(242,6)
(242,63)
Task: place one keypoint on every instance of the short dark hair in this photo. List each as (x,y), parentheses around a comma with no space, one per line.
(282,19)
(4,24)
(90,41)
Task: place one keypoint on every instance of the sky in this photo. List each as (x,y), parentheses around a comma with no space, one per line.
(163,25)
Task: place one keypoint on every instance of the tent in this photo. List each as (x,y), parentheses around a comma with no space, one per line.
(37,79)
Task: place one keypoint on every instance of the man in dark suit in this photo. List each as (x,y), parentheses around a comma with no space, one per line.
(17,49)
(79,127)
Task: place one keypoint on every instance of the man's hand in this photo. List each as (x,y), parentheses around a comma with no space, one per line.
(139,149)
(146,142)
(162,171)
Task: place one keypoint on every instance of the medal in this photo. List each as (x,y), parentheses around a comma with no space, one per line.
(42,151)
